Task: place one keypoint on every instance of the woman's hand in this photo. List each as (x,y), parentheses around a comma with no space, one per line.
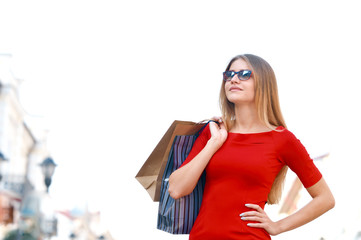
(218,132)
(260,216)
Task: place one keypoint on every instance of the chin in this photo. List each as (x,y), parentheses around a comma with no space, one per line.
(240,100)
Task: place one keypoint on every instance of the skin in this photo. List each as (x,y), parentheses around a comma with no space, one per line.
(183,180)
(322,201)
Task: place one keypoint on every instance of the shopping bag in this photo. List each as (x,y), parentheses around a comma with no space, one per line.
(150,174)
(178,216)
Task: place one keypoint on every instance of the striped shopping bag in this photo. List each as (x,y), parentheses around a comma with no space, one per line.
(178,216)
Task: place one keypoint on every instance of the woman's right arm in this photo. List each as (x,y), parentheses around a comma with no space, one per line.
(184,179)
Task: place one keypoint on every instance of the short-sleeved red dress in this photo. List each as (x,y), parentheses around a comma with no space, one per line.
(242,171)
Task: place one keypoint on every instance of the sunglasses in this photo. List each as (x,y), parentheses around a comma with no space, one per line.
(242,75)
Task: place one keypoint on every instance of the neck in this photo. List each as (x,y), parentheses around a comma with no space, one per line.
(247,119)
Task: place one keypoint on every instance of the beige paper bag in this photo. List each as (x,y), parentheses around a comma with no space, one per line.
(150,174)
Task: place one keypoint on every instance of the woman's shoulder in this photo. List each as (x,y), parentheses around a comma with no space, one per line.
(283,133)
(283,136)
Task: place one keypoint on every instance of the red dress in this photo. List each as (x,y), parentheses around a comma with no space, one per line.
(242,171)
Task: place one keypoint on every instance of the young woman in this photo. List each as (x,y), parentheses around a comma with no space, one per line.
(246,157)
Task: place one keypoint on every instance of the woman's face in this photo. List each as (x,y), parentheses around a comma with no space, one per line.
(240,91)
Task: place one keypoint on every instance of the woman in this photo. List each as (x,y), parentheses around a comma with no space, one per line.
(246,157)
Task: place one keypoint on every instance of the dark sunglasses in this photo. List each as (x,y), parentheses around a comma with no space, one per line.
(242,75)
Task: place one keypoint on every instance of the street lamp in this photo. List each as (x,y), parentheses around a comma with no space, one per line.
(72,236)
(2,159)
(48,167)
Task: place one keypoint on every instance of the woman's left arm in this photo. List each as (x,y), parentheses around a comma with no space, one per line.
(322,201)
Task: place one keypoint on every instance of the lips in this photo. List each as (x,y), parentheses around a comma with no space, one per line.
(235,89)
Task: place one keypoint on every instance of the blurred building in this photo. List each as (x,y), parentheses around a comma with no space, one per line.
(26,208)
(20,150)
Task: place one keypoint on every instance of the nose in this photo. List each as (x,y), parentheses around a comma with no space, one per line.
(235,79)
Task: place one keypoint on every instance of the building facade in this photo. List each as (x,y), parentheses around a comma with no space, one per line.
(19,150)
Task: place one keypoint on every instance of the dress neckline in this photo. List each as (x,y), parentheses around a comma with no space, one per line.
(279,128)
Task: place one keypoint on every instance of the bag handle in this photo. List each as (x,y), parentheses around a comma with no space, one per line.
(200,130)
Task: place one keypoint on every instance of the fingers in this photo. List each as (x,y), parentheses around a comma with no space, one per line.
(257,216)
(217,119)
(252,216)
(254,206)
(217,127)
(251,213)
(254,219)
(216,123)
(260,219)
(213,127)
(222,126)
(255,225)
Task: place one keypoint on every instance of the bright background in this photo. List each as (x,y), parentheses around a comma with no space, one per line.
(107,78)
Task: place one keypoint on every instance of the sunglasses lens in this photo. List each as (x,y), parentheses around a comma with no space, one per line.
(242,75)
(245,74)
(227,76)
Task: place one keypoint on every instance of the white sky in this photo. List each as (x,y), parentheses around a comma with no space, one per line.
(109,77)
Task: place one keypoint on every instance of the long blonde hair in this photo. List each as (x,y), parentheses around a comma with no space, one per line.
(267,105)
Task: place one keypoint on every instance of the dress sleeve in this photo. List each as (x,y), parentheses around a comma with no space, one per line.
(292,153)
(198,145)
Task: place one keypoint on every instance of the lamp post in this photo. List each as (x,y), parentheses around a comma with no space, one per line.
(2,159)
(48,167)
(48,221)
(72,236)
